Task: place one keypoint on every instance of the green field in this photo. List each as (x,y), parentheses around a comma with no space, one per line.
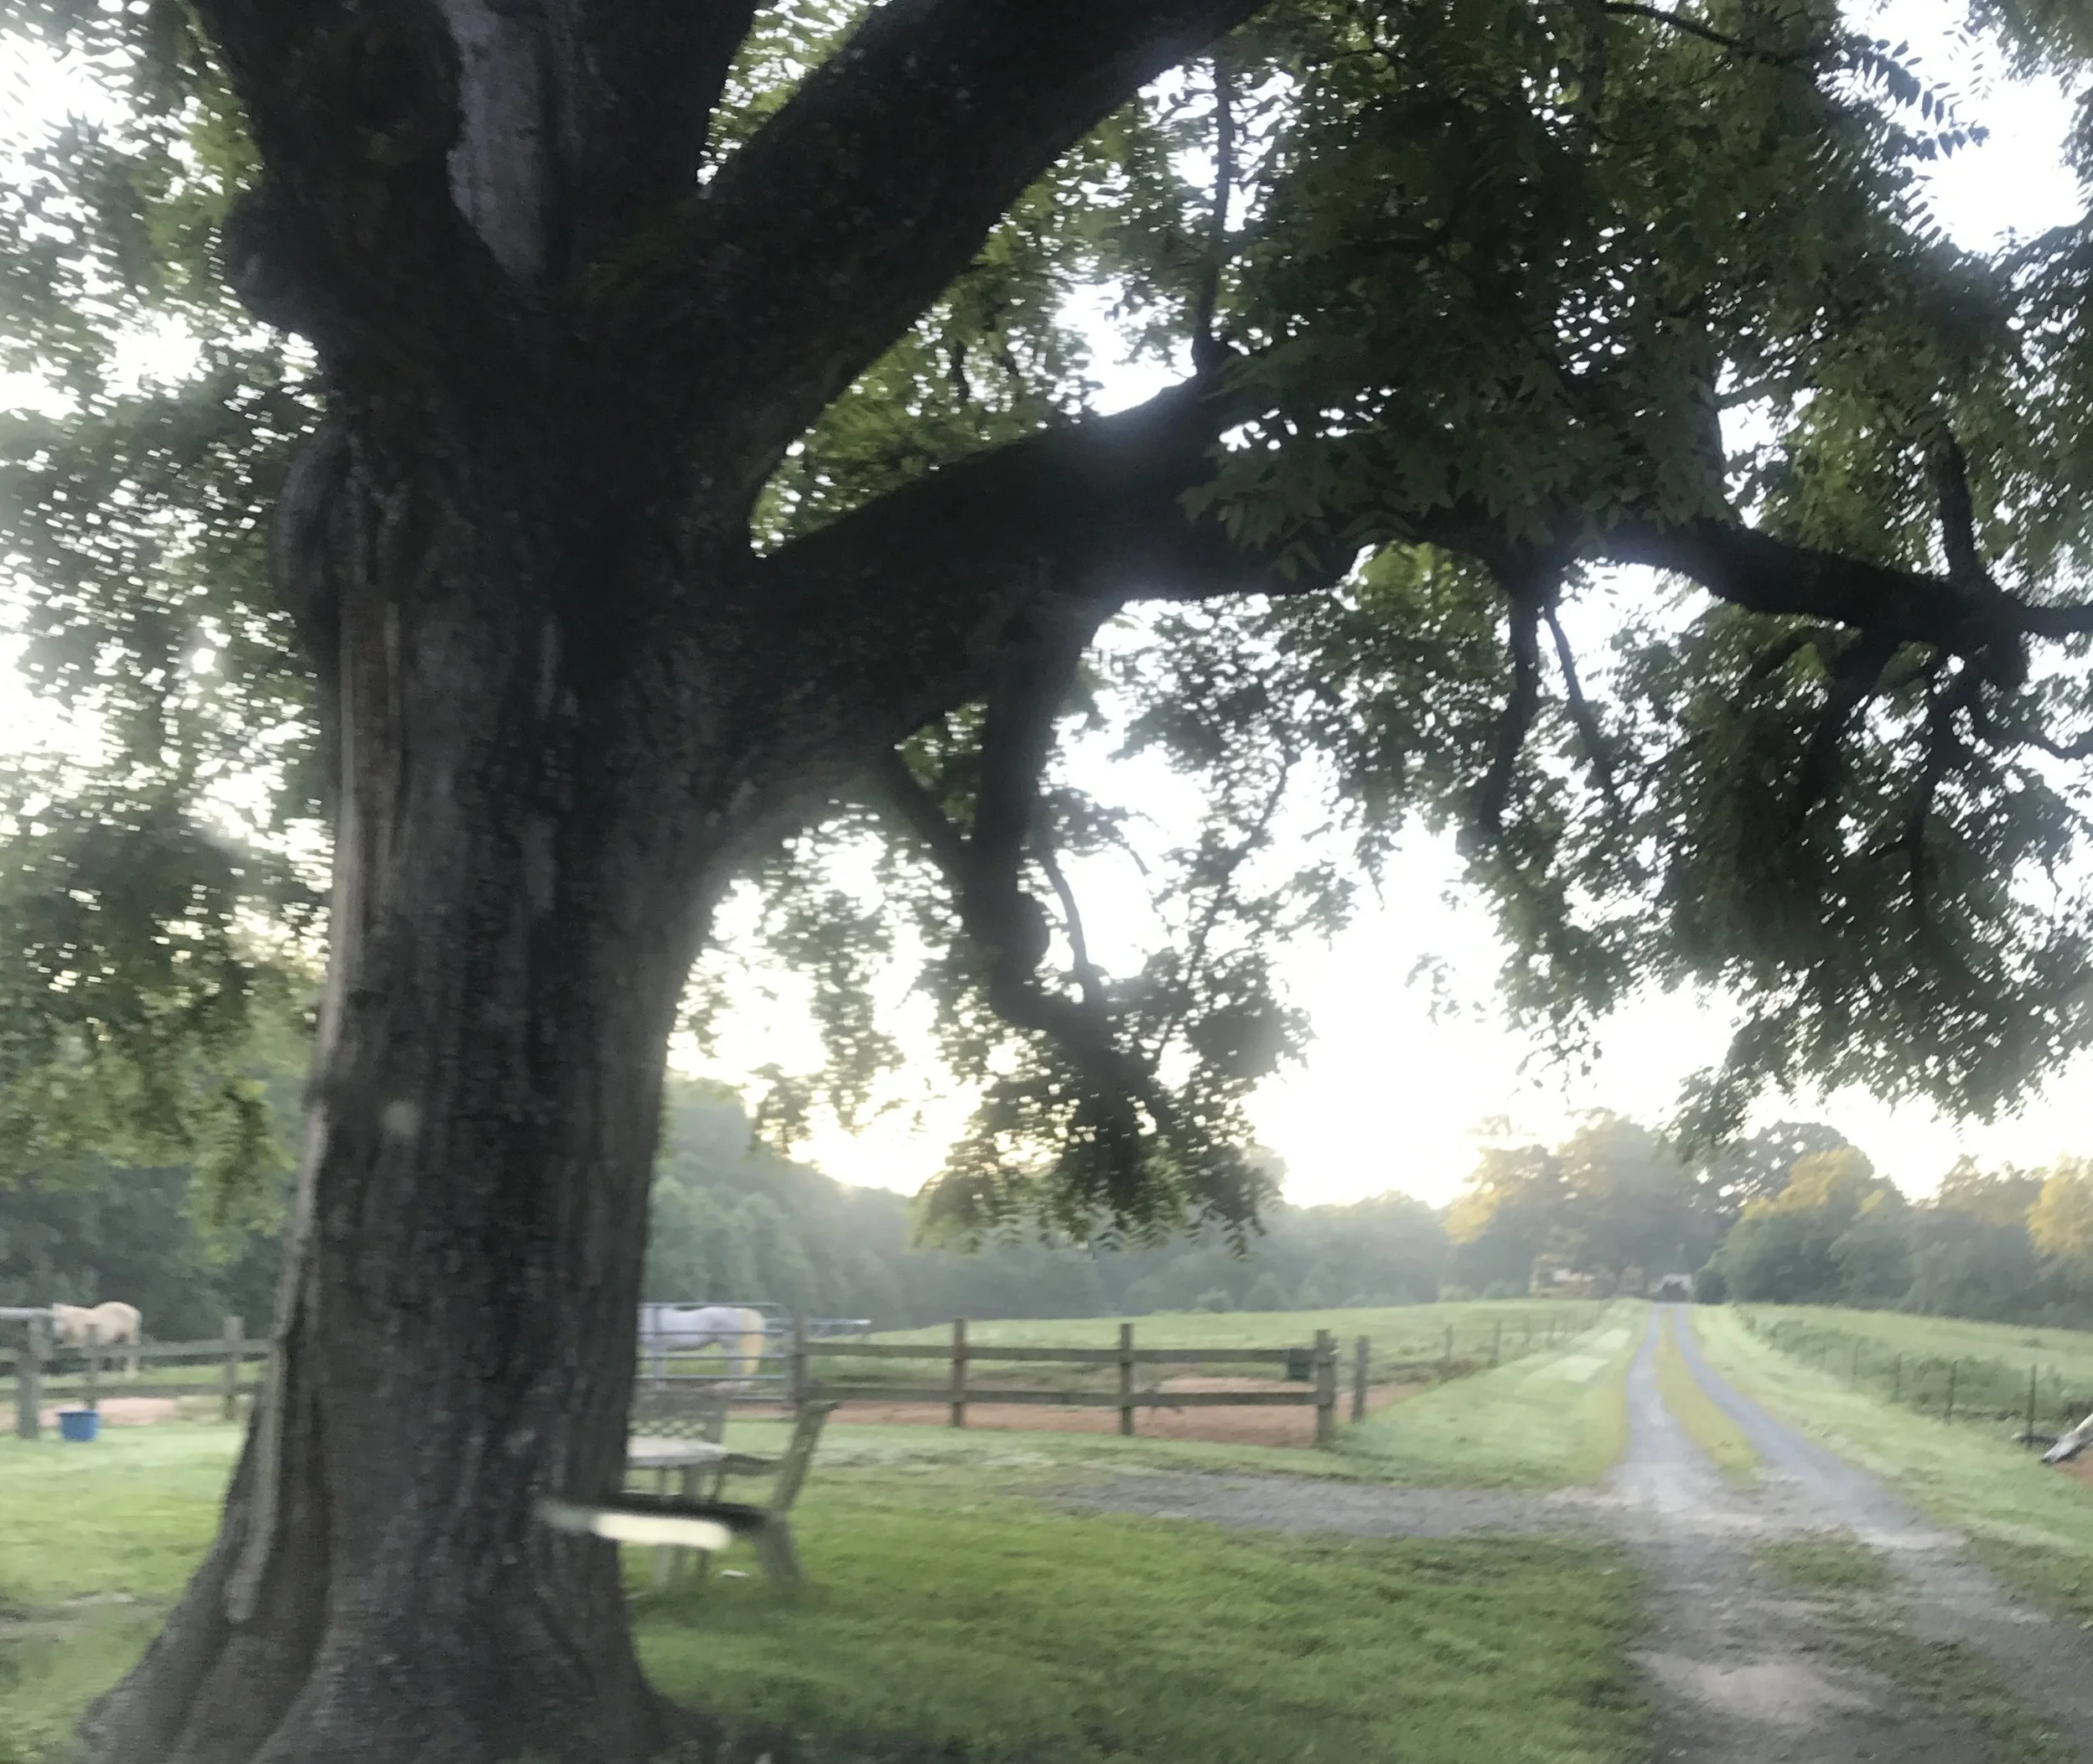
(2034,1524)
(2070,1350)
(956,1611)
(1551,1419)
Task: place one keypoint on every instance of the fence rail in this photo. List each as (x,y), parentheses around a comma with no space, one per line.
(785,1373)
(33,1363)
(211,1348)
(1314,1365)
(806,1368)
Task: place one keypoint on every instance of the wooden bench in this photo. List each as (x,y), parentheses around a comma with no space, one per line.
(703,1467)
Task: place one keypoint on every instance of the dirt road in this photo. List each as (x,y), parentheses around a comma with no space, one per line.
(1746,1672)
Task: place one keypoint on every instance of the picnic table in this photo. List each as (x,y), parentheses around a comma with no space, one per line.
(687,1461)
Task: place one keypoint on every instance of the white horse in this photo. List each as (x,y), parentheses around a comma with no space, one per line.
(738,1334)
(110,1324)
(2072,1444)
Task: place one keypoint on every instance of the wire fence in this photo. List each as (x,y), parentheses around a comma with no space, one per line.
(2038,1401)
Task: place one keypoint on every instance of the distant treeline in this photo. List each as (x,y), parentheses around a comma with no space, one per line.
(2009,1246)
(734,1220)
(1793,1214)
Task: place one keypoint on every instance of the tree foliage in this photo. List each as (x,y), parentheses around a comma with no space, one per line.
(1475,301)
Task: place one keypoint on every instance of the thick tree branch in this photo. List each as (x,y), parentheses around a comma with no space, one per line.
(997,914)
(352,237)
(1494,796)
(1763,574)
(1676,21)
(1092,513)
(1943,743)
(1079,963)
(1856,675)
(648,79)
(885,171)
(1950,477)
(1095,513)
(1580,713)
(1209,351)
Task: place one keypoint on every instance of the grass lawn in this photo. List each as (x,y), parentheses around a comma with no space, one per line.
(1544,1421)
(947,1618)
(950,1608)
(2034,1524)
(96,1541)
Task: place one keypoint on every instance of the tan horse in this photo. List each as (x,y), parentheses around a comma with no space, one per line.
(110,1324)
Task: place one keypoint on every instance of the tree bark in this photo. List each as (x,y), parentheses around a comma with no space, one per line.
(530,820)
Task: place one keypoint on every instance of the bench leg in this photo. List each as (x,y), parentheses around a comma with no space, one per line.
(699,1558)
(661,1552)
(773,1547)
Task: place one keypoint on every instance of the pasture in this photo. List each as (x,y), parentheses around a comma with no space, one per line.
(958,1607)
(1545,1421)
(1941,1338)
(1908,1359)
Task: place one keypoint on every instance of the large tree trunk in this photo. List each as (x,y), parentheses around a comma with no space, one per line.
(524,849)
(566,356)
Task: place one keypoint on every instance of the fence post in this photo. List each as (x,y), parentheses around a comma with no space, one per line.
(91,1377)
(959,1372)
(29,1379)
(228,1379)
(1446,1359)
(1954,1367)
(1897,1381)
(795,1367)
(1497,1341)
(1125,1381)
(1853,1371)
(2031,1402)
(1325,1388)
(1361,1354)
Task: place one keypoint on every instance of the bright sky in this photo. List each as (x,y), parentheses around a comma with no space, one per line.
(1390,1098)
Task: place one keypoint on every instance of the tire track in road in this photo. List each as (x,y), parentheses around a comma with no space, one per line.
(1746,1675)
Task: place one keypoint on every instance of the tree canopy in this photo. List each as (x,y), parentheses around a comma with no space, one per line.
(1476,299)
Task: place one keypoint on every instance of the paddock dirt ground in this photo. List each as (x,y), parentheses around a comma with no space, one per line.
(1219,1426)
(129,1411)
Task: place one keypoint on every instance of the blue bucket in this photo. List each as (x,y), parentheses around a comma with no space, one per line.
(78,1425)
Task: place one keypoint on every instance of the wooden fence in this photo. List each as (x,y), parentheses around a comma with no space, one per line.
(1315,1367)
(35,1365)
